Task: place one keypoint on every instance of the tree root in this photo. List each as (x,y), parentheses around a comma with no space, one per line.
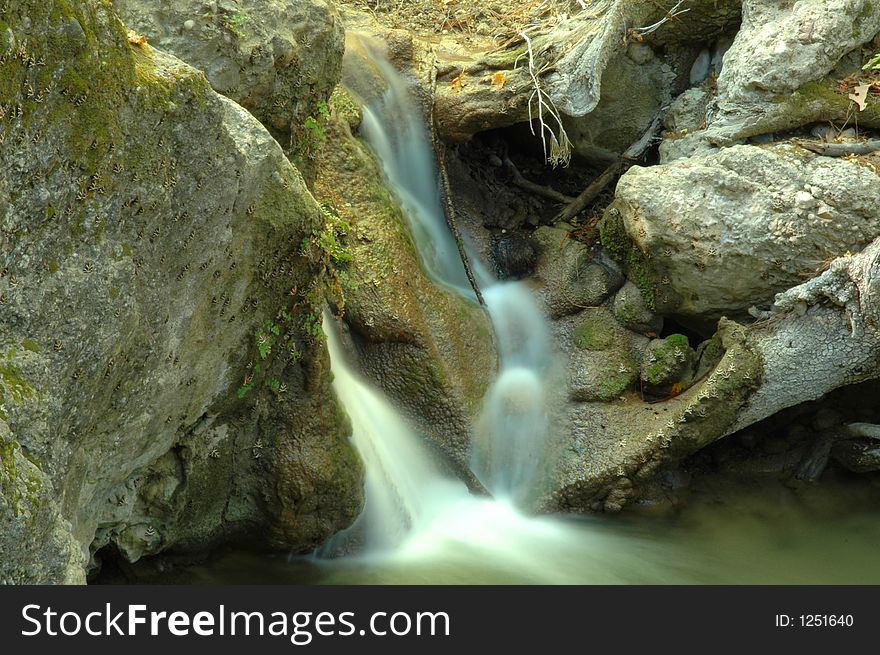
(841,149)
(523,183)
(598,185)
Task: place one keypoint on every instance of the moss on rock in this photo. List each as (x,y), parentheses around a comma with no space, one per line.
(595,333)
(638,267)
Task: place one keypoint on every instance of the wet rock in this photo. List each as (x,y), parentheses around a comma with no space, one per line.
(361,75)
(513,256)
(716,233)
(857,455)
(430,350)
(573,277)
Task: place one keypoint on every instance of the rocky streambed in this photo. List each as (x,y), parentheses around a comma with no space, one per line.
(185,190)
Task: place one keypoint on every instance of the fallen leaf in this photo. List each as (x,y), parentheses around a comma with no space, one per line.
(860,96)
(499,79)
(135,38)
(676,388)
(458,83)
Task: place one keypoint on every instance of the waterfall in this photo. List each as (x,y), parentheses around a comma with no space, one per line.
(510,451)
(403,488)
(416,517)
(421,525)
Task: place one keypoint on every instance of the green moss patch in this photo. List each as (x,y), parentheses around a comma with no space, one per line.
(595,333)
(615,240)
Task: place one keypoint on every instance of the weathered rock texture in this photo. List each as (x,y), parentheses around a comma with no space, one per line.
(277,59)
(718,232)
(430,350)
(776,73)
(152,233)
(581,65)
(571,275)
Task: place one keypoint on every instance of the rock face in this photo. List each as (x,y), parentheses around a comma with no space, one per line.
(773,75)
(716,233)
(573,277)
(431,351)
(277,59)
(161,386)
(632,94)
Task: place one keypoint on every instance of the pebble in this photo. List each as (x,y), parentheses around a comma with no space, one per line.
(495,160)
(188,25)
(701,67)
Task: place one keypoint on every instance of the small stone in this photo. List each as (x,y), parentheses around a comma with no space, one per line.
(495,160)
(189,25)
(640,53)
(701,67)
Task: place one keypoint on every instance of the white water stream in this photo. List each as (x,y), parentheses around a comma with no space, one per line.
(414,512)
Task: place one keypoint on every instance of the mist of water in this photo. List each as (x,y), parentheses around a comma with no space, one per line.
(420,524)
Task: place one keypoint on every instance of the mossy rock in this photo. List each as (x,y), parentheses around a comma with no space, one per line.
(636,264)
(601,376)
(668,364)
(597,332)
(630,311)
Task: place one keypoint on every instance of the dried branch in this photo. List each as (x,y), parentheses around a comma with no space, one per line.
(523,183)
(641,32)
(840,149)
(598,185)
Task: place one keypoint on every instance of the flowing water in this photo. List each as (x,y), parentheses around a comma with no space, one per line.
(510,449)
(421,526)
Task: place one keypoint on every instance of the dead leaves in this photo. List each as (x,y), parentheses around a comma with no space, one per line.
(498,80)
(860,96)
(135,38)
(458,83)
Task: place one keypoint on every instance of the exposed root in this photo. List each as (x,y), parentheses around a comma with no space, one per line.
(556,146)
(639,33)
(523,183)
(598,185)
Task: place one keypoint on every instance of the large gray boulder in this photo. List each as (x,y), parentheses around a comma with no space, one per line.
(161,381)
(718,232)
(277,59)
(774,74)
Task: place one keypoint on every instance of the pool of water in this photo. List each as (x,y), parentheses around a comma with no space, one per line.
(764,534)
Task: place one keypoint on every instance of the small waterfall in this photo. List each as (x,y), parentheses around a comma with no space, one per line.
(510,451)
(403,487)
(408,163)
(418,521)
(421,526)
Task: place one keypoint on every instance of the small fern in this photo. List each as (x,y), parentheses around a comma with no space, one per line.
(873,63)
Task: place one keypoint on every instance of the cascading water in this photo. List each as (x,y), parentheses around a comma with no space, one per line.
(409,166)
(420,524)
(413,512)
(510,451)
